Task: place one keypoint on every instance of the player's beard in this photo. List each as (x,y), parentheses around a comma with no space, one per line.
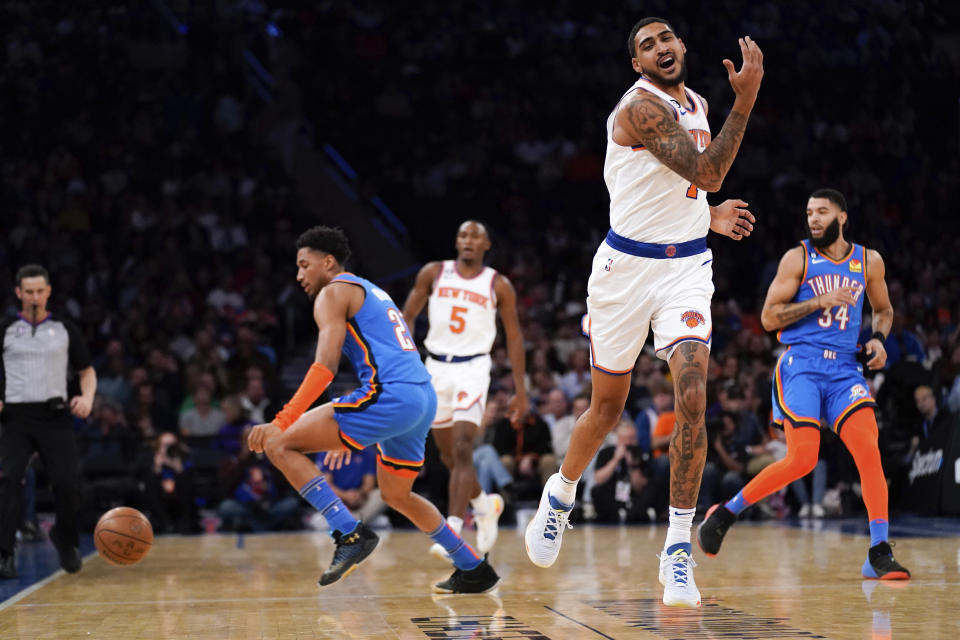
(668,82)
(830,234)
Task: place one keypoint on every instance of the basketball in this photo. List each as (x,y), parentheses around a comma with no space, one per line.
(123,536)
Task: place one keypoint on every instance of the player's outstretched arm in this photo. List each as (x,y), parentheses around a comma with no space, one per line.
(507,305)
(647,120)
(417,298)
(882,308)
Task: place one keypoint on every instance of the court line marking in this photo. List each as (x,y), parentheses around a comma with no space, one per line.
(20,595)
(599,633)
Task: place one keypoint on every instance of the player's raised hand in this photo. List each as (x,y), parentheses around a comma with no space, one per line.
(732,219)
(746,81)
(875,348)
(259,435)
(840,295)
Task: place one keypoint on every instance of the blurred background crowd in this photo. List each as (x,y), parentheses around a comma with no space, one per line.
(155,161)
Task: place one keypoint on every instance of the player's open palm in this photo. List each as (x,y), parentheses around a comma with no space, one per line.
(746,81)
(732,219)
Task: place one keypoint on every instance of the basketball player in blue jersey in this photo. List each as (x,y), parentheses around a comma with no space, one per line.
(816,300)
(393,408)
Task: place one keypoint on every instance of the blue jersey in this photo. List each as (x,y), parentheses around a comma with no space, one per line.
(837,328)
(378,341)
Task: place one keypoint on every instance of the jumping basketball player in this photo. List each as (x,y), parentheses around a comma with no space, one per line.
(393,408)
(463,297)
(816,300)
(654,268)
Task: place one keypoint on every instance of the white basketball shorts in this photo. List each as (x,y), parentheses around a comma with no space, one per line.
(461,390)
(627,294)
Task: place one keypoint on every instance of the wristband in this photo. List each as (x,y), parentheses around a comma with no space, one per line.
(313,385)
(878,335)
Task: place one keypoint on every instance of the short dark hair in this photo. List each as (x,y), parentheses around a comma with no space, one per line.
(631,41)
(31,271)
(832,195)
(326,239)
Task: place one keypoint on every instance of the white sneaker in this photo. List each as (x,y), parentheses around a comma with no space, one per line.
(487,523)
(819,511)
(804,511)
(676,576)
(545,531)
(436,549)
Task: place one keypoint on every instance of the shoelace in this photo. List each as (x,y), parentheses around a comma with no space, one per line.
(682,564)
(556,521)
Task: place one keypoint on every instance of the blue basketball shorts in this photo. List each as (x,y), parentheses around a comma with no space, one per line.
(811,384)
(396,416)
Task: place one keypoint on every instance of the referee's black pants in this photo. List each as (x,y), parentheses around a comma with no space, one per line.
(23,430)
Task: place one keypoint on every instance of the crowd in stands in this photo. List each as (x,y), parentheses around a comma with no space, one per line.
(132,171)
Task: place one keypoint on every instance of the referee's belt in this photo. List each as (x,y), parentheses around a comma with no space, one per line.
(440,358)
(653,250)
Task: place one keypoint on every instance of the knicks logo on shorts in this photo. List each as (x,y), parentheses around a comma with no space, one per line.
(461,396)
(693,318)
(857,391)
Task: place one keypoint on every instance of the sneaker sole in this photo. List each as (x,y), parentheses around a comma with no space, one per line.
(700,544)
(466,593)
(892,575)
(681,604)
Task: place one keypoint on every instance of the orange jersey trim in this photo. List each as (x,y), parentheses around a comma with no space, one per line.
(683,338)
(374,389)
(778,387)
(349,442)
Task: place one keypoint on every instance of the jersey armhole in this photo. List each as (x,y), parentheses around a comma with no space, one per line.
(493,288)
(806,262)
(864,264)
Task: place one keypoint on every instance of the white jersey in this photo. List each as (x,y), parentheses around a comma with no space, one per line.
(648,201)
(462,312)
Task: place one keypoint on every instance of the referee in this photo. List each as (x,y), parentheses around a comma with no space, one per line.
(35,414)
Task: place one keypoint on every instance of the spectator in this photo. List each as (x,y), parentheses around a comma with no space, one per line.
(255,402)
(577,377)
(169,486)
(356,484)
(622,490)
(649,426)
(563,428)
(252,500)
(203,419)
(526,451)
(235,420)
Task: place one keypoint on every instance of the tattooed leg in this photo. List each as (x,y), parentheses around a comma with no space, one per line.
(688,445)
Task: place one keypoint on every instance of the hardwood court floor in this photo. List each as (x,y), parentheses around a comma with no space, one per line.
(768,582)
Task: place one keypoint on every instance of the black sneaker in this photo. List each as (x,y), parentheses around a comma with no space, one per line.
(480,579)
(70,560)
(711,531)
(352,549)
(880,564)
(8,569)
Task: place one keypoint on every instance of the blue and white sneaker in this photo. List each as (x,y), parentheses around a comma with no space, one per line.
(545,531)
(676,576)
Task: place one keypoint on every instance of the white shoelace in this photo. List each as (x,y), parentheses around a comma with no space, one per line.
(556,521)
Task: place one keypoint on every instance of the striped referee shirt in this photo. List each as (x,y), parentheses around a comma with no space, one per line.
(34,364)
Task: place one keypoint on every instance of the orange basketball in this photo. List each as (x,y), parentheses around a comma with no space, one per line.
(123,536)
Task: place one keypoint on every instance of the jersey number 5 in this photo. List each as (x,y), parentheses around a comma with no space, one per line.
(692,191)
(400,329)
(457,322)
(826,318)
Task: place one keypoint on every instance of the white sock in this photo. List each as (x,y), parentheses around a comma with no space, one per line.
(480,504)
(681,521)
(564,489)
(457,524)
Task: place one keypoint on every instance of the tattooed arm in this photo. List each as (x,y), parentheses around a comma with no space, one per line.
(778,311)
(646,119)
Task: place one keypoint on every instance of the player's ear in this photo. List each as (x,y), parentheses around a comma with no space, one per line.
(683,47)
(636,65)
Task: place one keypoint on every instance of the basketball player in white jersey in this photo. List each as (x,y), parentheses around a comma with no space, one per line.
(654,268)
(463,298)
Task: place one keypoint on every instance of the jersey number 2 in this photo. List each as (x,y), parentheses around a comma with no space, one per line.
(692,191)
(400,329)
